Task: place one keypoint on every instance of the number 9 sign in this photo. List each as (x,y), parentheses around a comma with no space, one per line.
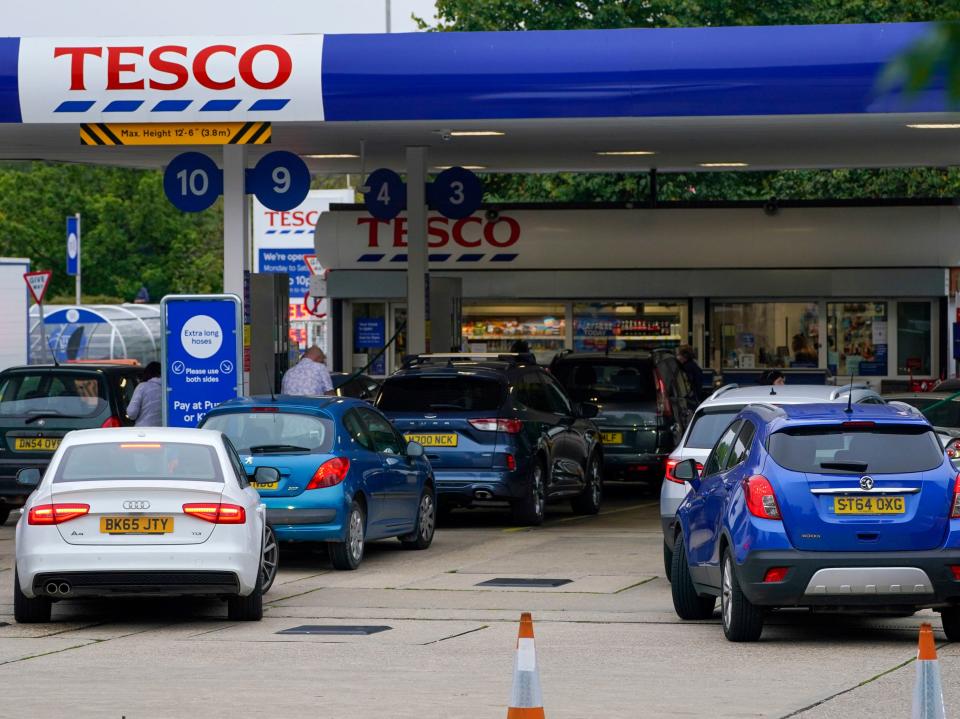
(192,182)
(456,193)
(281,181)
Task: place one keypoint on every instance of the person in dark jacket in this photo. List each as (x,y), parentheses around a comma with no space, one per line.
(687,359)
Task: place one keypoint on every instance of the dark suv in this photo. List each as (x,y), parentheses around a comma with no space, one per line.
(645,404)
(39,404)
(497,429)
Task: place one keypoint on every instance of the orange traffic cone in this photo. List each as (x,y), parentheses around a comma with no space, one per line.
(526,701)
(928,692)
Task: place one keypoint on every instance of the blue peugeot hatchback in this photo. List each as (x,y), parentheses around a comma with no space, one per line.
(346,476)
(823,506)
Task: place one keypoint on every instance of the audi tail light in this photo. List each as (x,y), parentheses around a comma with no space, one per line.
(955,505)
(496,424)
(330,473)
(56,513)
(216,512)
(672,465)
(761,501)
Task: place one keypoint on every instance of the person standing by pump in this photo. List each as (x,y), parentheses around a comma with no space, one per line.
(146,408)
(309,377)
(688,363)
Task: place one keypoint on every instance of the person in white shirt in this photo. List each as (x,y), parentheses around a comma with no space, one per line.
(309,377)
(145,408)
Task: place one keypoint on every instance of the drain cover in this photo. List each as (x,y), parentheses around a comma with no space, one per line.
(508,582)
(336,629)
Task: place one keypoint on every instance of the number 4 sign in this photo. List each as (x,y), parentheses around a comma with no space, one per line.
(38,283)
(386,195)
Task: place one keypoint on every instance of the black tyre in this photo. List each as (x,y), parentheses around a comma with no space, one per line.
(588,502)
(742,620)
(530,509)
(248,608)
(686,602)
(422,536)
(951,623)
(27,610)
(4,514)
(271,559)
(667,561)
(347,555)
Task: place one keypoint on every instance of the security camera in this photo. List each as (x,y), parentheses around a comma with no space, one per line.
(445,135)
(492,215)
(770,207)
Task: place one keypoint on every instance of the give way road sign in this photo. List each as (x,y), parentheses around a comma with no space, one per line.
(38,283)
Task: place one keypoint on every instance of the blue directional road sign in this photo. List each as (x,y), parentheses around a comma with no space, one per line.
(201,355)
(280,180)
(192,182)
(456,193)
(73,245)
(387,194)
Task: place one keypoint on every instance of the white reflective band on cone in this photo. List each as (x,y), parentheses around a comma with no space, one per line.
(526,655)
(928,691)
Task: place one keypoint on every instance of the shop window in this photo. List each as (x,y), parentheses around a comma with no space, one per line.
(625,326)
(857,338)
(764,334)
(913,338)
(496,328)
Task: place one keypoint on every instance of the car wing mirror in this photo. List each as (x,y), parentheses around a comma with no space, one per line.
(414,449)
(588,410)
(688,472)
(29,477)
(266,475)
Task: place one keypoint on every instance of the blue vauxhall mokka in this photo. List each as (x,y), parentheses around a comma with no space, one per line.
(823,506)
(346,475)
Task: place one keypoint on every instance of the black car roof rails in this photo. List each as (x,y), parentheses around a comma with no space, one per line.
(450,358)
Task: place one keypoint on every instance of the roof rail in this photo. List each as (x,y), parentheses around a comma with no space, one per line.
(776,409)
(725,388)
(846,388)
(449,358)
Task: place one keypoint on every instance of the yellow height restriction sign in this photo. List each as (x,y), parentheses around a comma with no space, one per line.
(192,133)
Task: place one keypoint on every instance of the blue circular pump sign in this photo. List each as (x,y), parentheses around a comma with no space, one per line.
(386,196)
(192,182)
(281,181)
(456,193)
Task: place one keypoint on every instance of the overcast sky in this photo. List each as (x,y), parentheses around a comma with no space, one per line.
(204,17)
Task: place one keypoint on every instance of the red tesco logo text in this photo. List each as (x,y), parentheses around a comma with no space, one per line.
(296,218)
(470,232)
(168,67)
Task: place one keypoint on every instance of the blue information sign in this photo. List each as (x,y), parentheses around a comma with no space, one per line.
(280,180)
(456,193)
(201,350)
(73,245)
(387,194)
(288,260)
(192,182)
(369,333)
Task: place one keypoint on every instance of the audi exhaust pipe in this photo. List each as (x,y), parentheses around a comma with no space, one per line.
(51,588)
(482,494)
(63,588)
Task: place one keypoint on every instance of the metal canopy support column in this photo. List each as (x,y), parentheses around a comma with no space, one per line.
(418,306)
(236,220)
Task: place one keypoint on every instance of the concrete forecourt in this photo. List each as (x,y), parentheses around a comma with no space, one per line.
(608,643)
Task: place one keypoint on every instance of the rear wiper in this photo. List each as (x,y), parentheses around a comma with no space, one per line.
(263,448)
(852,466)
(48,415)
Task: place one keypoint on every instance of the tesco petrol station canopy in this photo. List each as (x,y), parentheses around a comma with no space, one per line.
(554,86)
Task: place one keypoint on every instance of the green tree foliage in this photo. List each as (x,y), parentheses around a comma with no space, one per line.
(942,48)
(131,234)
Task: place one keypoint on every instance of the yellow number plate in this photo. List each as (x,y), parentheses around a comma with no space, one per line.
(611,437)
(869,505)
(434,440)
(36,444)
(136,525)
(266,485)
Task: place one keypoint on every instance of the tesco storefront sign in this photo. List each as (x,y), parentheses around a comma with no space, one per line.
(171,79)
(470,232)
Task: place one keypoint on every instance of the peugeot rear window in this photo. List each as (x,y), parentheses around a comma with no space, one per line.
(607,380)
(708,423)
(274,432)
(425,393)
(877,449)
(52,394)
(139,461)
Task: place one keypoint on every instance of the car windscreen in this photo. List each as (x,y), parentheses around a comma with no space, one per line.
(135,461)
(52,394)
(447,393)
(608,380)
(708,423)
(271,432)
(878,449)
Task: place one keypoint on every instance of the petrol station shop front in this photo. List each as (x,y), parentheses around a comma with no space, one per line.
(862,290)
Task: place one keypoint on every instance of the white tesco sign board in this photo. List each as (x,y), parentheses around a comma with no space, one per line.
(171,79)
(14,320)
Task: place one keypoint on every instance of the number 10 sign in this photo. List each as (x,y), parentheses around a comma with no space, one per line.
(193,182)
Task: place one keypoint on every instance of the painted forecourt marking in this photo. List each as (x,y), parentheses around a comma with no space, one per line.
(191,133)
